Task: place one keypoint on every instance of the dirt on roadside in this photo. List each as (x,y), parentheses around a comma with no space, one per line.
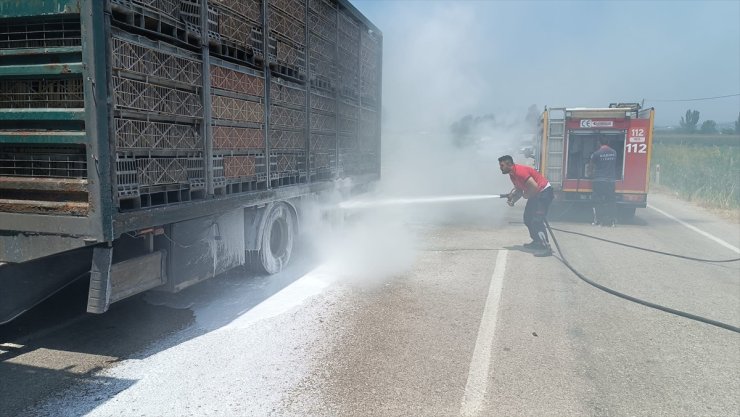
(731,215)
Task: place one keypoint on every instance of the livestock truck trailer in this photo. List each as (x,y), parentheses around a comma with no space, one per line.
(158,143)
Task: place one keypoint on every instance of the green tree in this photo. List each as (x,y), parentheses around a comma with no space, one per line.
(688,124)
(709,126)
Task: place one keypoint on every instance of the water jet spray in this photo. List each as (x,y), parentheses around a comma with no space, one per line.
(362,204)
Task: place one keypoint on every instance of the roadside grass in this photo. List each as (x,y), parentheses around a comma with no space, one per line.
(696,139)
(700,168)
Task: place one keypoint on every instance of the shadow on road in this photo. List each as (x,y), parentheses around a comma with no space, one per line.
(521,248)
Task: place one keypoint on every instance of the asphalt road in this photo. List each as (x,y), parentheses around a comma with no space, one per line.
(420,317)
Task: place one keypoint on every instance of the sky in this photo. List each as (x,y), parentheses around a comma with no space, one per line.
(444,59)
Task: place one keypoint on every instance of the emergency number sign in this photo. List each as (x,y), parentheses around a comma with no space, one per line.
(636,141)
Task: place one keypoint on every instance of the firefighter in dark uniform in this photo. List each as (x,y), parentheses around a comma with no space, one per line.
(603,175)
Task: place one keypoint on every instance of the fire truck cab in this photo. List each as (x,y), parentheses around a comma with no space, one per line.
(568,136)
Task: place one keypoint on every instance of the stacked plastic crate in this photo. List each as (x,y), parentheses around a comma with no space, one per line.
(240,31)
(286,19)
(42,127)
(322,17)
(287,39)
(348,60)
(177,21)
(157,116)
(237,97)
(287,132)
(369,146)
(39,91)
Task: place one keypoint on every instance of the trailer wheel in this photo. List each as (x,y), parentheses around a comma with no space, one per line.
(277,239)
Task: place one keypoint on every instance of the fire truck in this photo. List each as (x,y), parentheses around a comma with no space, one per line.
(567,137)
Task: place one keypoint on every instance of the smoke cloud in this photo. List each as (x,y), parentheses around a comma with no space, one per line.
(428,85)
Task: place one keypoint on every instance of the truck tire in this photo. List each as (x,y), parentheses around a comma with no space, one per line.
(276,244)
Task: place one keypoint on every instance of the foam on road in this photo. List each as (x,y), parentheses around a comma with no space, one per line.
(244,367)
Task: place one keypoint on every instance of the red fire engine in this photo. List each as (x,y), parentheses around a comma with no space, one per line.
(568,136)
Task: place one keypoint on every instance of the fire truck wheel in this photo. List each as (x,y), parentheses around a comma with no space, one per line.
(626,213)
(277,239)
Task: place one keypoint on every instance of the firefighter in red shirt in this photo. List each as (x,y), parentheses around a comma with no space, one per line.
(534,187)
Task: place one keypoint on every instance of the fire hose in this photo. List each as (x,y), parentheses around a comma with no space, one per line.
(645,249)
(627,297)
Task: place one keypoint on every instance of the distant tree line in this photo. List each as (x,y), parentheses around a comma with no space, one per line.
(690,121)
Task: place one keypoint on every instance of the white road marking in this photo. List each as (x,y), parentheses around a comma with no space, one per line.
(480,363)
(697,230)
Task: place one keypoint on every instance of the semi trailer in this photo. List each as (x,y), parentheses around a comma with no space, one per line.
(568,136)
(153,144)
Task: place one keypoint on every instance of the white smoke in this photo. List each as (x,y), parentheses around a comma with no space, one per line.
(429,83)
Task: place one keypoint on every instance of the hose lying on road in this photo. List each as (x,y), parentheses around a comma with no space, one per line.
(641,248)
(680,313)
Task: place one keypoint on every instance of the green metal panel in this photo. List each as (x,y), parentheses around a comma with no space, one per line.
(42,114)
(41,51)
(41,69)
(22,8)
(98,116)
(44,137)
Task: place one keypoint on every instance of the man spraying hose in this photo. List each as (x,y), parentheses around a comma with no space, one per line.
(534,187)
